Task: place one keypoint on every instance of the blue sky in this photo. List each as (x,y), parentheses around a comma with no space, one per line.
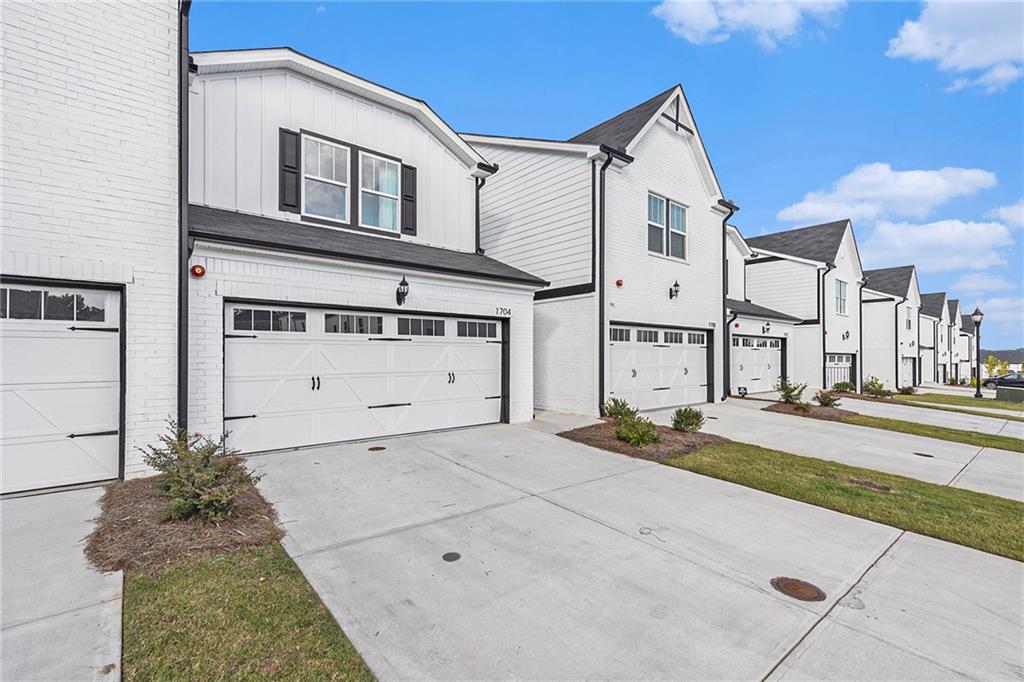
(906,117)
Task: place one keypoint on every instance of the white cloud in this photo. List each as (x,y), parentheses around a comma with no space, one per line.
(981,283)
(967,38)
(714,21)
(1012,215)
(938,246)
(873,191)
(1007,312)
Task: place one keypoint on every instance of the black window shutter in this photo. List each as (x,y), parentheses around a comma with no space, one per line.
(408,200)
(291,179)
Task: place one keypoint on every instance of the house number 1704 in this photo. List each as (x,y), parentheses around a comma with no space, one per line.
(503,312)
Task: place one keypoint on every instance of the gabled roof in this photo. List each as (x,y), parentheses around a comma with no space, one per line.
(816,242)
(932,304)
(736,236)
(954,307)
(231,227)
(966,325)
(618,131)
(262,59)
(895,281)
(753,310)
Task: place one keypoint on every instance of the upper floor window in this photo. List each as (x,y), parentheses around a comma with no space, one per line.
(379,193)
(908,318)
(325,179)
(666,227)
(840,297)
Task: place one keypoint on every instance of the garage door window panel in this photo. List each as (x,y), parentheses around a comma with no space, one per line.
(336,323)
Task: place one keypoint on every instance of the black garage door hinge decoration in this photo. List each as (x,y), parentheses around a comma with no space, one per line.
(241,416)
(95,329)
(375,407)
(240,336)
(386,338)
(94,433)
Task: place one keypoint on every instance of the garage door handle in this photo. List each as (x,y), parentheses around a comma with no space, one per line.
(94,433)
(95,329)
(240,336)
(663,388)
(376,407)
(381,338)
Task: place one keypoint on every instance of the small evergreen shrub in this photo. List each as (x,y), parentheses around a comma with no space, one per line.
(202,477)
(620,410)
(826,398)
(907,390)
(790,393)
(637,431)
(688,419)
(873,387)
(844,387)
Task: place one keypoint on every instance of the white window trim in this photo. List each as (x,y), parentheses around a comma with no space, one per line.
(667,230)
(346,185)
(396,197)
(845,312)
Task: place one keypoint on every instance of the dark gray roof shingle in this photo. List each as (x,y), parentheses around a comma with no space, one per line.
(754,310)
(954,304)
(931,304)
(619,131)
(895,281)
(815,242)
(967,325)
(283,235)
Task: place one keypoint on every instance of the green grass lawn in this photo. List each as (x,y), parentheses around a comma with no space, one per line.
(245,615)
(986,522)
(961,401)
(982,440)
(973,413)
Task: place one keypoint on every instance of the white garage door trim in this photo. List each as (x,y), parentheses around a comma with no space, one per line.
(644,372)
(461,378)
(756,362)
(45,448)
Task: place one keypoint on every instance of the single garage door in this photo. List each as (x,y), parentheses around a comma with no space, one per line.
(927,364)
(838,369)
(908,372)
(756,363)
(61,386)
(302,376)
(653,368)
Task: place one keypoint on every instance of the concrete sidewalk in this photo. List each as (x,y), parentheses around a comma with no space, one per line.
(926,459)
(923,415)
(61,620)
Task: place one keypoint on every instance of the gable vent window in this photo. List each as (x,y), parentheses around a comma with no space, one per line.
(483,330)
(414,326)
(618,334)
(249,319)
(646,336)
(353,324)
(666,227)
(325,179)
(379,192)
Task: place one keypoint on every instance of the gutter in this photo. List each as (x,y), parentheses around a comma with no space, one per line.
(829,267)
(896,331)
(726,369)
(183,235)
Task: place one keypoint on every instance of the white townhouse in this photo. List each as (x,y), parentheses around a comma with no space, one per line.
(90,228)
(814,274)
(934,338)
(965,344)
(759,340)
(337,290)
(890,306)
(955,361)
(627,222)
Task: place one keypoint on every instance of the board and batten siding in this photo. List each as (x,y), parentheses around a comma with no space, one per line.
(788,286)
(234,158)
(535,213)
(737,287)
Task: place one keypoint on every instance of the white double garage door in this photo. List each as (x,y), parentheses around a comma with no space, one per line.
(296,376)
(756,363)
(654,367)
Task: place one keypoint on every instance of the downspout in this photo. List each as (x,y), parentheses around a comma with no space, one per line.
(860,334)
(727,358)
(602,340)
(480,182)
(829,267)
(726,369)
(896,331)
(183,240)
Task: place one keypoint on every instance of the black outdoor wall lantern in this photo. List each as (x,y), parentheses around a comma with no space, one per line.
(673,291)
(767,328)
(402,291)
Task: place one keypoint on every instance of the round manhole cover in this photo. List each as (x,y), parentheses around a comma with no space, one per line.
(451,556)
(798,589)
(376,448)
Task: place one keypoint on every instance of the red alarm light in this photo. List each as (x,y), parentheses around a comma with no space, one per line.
(737,325)
(619,283)
(198,270)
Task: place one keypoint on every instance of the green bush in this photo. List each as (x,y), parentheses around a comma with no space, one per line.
(907,390)
(790,393)
(637,431)
(826,398)
(688,419)
(200,475)
(619,409)
(844,387)
(873,386)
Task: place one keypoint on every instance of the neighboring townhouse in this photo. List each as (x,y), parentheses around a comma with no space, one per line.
(759,339)
(814,274)
(90,212)
(934,338)
(627,222)
(954,340)
(337,291)
(968,352)
(891,305)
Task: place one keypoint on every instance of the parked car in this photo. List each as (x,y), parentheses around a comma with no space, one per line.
(1011,379)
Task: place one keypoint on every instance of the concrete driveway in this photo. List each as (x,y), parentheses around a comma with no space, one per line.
(503,551)
(987,470)
(924,415)
(61,620)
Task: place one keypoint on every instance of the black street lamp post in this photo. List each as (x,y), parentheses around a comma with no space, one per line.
(977,316)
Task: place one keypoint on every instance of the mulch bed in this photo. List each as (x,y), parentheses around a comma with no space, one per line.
(133,530)
(832,414)
(673,443)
